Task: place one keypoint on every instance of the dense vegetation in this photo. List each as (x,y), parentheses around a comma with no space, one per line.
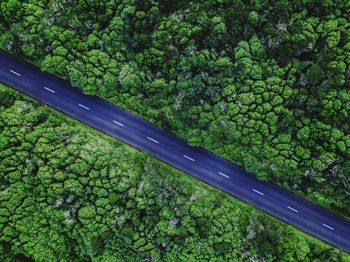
(265,85)
(68,193)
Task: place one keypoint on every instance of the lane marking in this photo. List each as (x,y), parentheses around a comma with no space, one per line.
(293,209)
(325,225)
(258,192)
(189,158)
(118,123)
(14,72)
(224,175)
(50,90)
(84,106)
(153,140)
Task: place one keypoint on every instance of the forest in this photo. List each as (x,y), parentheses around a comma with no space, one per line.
(262,83)
(266,86)
(96,199)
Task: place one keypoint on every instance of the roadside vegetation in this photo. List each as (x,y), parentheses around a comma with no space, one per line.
(69,193)
(266,86)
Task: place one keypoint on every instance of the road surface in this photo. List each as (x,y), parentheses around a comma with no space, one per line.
(197,162)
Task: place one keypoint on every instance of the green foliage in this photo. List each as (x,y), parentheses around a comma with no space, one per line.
(69,193)
(264,85)
(92,71)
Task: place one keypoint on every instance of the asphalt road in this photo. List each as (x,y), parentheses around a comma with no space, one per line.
(196,162)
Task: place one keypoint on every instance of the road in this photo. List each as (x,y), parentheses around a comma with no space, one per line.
(197,162)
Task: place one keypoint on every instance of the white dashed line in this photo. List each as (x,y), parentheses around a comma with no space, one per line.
(293,209)
(325,225)
(14,72)
(118,123)
(258,192)
(224,175)
(50,90)
(84,106)
(153,140)
(189,158)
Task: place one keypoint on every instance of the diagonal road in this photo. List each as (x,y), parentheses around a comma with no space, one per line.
(197,162)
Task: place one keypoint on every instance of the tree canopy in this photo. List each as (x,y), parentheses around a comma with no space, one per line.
(69,193)
(264,85)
